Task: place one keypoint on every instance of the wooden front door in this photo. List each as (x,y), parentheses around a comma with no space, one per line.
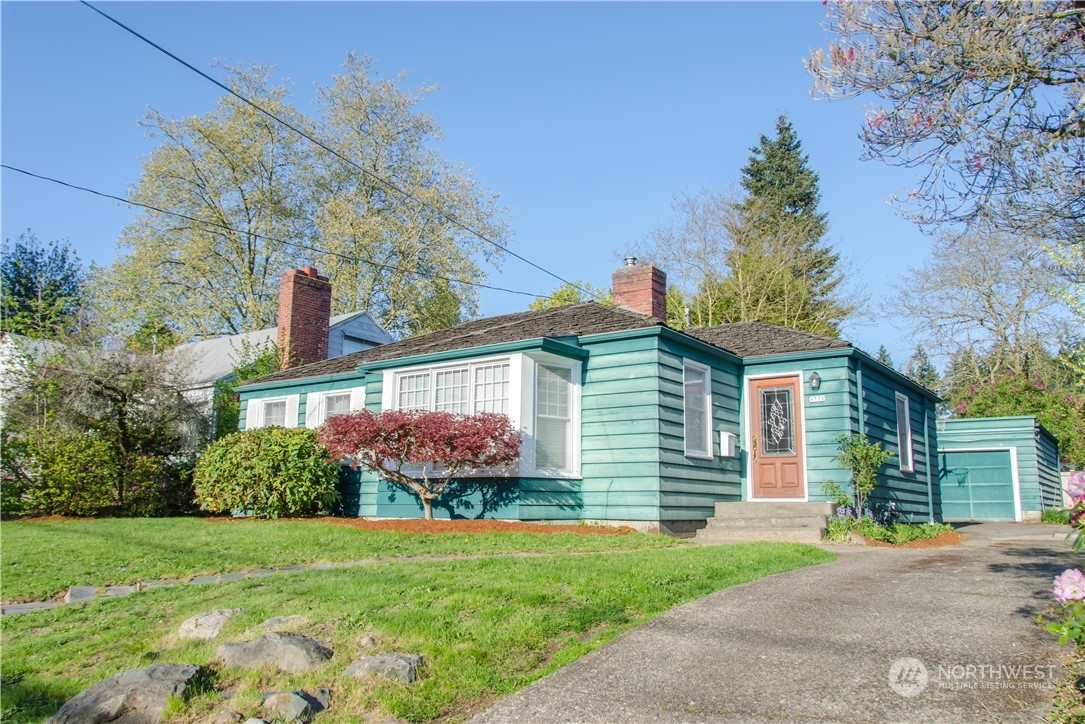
(776,438)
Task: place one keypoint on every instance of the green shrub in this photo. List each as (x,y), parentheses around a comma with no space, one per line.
(71,473)
(270,471)
(1054,515)
(862,458)
(904,532)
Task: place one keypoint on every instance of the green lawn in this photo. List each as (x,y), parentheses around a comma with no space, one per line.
(485,627)
(41,558)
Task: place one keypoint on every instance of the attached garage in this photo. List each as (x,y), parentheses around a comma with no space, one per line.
(997,468)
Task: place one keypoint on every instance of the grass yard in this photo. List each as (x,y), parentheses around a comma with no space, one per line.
(486,627)
(41,558)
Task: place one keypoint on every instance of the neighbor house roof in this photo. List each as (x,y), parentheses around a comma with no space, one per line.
(213,359)
(574,320)
(755,339)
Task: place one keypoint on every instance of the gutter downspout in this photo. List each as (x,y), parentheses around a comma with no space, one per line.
(931,462)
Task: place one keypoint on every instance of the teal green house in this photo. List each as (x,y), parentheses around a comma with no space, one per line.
(624,419)
(997,468)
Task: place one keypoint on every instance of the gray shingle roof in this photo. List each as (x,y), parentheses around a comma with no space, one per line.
(754,339)
(575,320)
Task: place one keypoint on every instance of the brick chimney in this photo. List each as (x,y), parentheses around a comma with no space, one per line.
(640,288)
(305,305)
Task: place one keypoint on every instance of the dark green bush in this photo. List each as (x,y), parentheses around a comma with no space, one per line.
(270,471)
(1055,515)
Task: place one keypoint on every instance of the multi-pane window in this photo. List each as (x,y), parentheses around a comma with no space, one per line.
(414,391)
(492,388)
(454,391)
(904,433)
(274,413)
(338,404)
(697,409)
(553,419)
(450,391)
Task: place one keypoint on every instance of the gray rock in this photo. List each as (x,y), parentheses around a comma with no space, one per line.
(368,642)
(227,717)
(287,652)
(276,621)
(254,720)
(131,697)
(395,666)
(290,706)
(206,626)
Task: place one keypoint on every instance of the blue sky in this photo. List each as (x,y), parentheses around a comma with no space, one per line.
(585,117)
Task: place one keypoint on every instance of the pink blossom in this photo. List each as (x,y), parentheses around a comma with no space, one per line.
(1075,486)
(1069,586)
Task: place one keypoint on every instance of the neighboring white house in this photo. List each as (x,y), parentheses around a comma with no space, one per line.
(212,360)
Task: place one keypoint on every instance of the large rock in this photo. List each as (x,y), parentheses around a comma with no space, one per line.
(293,706)
(287,652)
(131,697)
(205,626)
(395,666)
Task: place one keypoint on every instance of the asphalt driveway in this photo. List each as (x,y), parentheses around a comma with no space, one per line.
(954,628)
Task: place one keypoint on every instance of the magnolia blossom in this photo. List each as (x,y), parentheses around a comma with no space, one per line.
(1069,586)
(1075,486)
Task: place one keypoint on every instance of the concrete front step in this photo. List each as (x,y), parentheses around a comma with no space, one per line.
(710,536)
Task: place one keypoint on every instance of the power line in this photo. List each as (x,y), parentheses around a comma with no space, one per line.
(388,184)
(299,245)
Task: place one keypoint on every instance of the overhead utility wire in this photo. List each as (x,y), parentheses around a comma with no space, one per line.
(388,184)
(377,264)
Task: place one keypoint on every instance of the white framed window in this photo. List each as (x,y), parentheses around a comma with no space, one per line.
(272,411)
(553,418)
(904,433)
(539,392)
(697,409)
(319,406)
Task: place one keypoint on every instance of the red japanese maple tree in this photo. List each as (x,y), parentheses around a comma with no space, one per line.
(387,442)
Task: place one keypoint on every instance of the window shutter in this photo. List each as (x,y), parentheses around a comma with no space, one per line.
(357,399)
(312,410)
(252,414)
(292,410)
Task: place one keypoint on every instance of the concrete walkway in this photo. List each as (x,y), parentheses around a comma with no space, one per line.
(823,643)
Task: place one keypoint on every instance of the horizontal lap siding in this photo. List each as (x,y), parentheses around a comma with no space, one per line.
(823,422)
(619,432)
(1037,460)
(1047,470)
(690,487)
(908,490)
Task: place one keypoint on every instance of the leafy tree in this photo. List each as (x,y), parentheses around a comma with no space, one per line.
(262,200)
(983,97)
(43,288)
(269,471)
(1060,410)
(884,357)
(423,452)
(571,293)
(153,336)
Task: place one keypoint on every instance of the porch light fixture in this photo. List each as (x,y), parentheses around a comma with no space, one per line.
(815,381)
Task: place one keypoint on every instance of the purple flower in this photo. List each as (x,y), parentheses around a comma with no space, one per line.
(1069,586)
(1075,485)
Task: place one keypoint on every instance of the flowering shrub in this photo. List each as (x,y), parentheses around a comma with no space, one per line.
(419,450)
(1069,587)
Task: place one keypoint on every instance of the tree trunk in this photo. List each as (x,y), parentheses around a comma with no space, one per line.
(427,507)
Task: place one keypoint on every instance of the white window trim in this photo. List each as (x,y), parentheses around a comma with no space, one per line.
(909,465)
(316,410)
(254,411)
(522,367)
(706,452)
